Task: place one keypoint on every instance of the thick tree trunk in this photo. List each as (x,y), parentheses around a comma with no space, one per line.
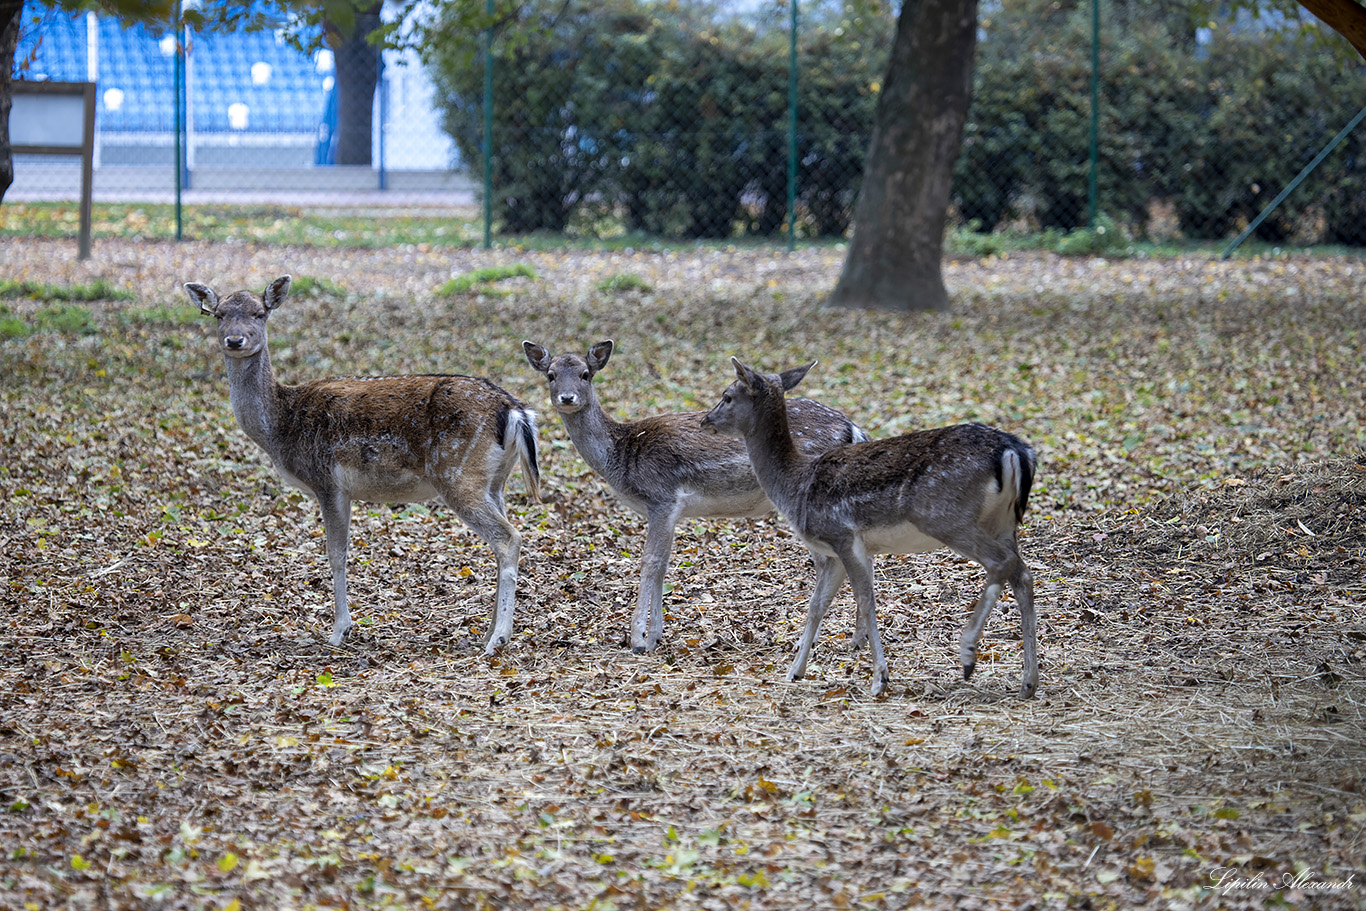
(894,256)
(357,76)
(10,14)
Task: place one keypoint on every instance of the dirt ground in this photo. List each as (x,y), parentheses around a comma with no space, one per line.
(175,731)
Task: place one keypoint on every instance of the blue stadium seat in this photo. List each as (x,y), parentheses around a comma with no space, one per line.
(130,59)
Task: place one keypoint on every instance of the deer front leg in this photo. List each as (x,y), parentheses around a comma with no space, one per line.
(829,577)
(336,507)
(647,626)
(972,633)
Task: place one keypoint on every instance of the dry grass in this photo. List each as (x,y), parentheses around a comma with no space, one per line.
(175,732)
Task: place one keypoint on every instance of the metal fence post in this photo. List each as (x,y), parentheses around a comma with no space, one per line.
(792,81)
(1093,176)
(488,127)
(179,31)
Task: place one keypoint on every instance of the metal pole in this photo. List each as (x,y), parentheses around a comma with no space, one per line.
(487,145)
(179,31)
(383,100)
(1299,179)
(1093,178)
(792,132)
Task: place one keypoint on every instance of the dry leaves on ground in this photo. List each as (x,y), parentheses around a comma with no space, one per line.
(174,731)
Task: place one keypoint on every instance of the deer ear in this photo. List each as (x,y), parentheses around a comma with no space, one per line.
(275,294)
(791,377)
(203,296)
(748,376)
(599,354)
(537,356)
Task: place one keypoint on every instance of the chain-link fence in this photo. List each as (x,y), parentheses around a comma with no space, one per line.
(256,116)
(749,118)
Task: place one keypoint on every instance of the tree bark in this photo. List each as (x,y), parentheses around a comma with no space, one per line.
(357,76)
(894,257)
(10,17)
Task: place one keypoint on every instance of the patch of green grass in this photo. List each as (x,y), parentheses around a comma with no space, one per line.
(95,291)
(307,286)
(255,223)
(161,316)
(12,326)
(65,319)
(623,281)
(464,284)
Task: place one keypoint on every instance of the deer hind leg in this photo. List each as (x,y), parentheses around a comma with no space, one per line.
(858,563)
(647,626)
(829,577)
(1022,584)
(336,508)
(489,523)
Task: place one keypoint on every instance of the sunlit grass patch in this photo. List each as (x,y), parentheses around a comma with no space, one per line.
(464,284)
(42,291)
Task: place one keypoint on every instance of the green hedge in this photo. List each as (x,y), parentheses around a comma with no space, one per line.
(666,120)
(671,120)
(1210,130)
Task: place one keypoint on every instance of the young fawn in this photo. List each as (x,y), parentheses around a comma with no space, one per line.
(667,467)
(963,487)
(398,439)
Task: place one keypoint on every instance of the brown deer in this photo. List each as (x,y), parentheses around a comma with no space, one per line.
(394,439)
(963,487)
(667,467)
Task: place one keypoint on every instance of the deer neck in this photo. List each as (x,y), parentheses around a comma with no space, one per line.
(254,395)
(774,455)
(592,432)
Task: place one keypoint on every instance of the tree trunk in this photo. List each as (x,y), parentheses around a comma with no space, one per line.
(10,15)
(357,75)
(894,256)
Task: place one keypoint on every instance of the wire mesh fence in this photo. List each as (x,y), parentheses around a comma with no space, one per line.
(738,118)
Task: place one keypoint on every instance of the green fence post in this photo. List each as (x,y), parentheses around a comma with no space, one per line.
(179,30)
(488,127)
(792,132)
(1093,177)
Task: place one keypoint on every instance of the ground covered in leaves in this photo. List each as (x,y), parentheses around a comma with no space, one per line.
(175,732)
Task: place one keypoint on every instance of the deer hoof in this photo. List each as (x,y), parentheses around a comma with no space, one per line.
(879,683)
(968,667)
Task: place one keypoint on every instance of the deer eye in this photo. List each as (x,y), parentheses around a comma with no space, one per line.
(584,375)
(726,398)
(550,375)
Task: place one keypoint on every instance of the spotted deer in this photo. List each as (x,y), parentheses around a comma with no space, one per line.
(963,487)
(393,439)
(667,468)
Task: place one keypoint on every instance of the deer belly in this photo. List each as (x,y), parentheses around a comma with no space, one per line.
(749,504)
(902,538)
(394,485)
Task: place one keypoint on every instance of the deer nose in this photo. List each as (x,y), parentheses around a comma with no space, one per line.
(568,398)
(234,341)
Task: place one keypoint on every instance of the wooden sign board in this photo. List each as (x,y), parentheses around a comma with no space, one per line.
(57,118)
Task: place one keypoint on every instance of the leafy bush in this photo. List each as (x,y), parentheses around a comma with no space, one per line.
(1215,129)
(617,117)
